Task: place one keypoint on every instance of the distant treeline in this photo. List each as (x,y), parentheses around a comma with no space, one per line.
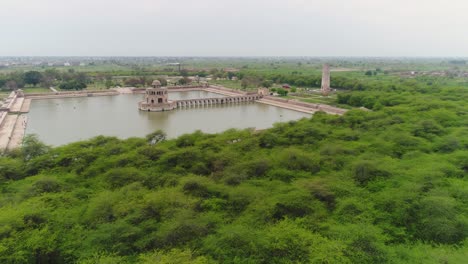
(69,80)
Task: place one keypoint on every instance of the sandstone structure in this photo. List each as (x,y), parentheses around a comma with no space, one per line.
(264,91)
(325,89)
(156,99)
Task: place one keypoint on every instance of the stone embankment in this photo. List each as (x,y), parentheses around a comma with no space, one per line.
(26,105)
(287,106)
(224,90)
(18,132)
(182,88)
(124,90)
(302,106)
(6,131)
(13,121)
(17,105)
(89,93)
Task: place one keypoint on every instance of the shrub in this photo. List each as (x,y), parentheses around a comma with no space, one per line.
(11,169)
(173,256)
(46,185)
(365,171)
(439,222)
(296,159)
(119,177)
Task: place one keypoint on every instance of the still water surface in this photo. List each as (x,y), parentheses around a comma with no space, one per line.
(65,120)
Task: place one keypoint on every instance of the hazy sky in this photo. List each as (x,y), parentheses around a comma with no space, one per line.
(234,27)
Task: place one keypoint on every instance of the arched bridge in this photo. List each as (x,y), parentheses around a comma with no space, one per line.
(218,100)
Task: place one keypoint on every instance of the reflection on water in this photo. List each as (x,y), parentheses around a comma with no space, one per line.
(65,120)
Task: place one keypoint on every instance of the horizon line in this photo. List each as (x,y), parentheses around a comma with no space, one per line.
(229,56)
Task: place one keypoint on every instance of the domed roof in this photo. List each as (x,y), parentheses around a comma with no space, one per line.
(156,82)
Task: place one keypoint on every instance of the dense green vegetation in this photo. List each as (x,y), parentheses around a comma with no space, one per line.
(381,186)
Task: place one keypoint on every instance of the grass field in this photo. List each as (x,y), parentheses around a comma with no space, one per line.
(37,90)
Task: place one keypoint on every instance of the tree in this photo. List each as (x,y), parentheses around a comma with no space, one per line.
(32,77)
(73,85)
(184,72)
(133,82)
(156,137)
(244,83)
(282,92)
(184,81)
(267,83)
(33,147)
(163,81)
(250,80)
(11,85)
(230,75)
(47,81)
(82,77)
(109,84)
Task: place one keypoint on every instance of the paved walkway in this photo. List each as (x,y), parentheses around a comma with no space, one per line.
(288,106)
(223,92)
(26,106)
(123,90)
(18,132)
(16,107)
(6,131)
